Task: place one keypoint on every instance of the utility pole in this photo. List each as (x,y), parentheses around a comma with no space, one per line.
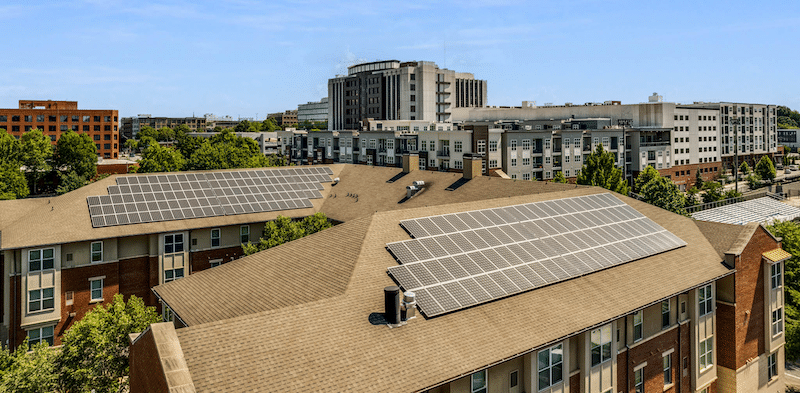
(735,124)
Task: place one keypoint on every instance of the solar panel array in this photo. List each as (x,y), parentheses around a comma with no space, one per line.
(166,197)
(755,210)
(464,259)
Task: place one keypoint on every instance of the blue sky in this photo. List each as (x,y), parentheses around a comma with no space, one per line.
(247,58)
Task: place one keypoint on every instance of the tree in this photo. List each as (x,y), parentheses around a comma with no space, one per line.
(731,194)
(12,182)
(660,191)
(269,125)
(599,169)
(132,144)
(691,197)
(28,368)
(753,181)
(226,150)
(283,230)
(698,178)
(70,181)
(94,351)
(147,131)
(37,152)
(789,231)
(10,149)
(76,153)
(165,134)
(765,169)
(559,177)
(713,192)
(156,158)
(188,144)
(649,173)
(744,169)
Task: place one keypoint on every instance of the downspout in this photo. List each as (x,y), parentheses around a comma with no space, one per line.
(627,358)
(680,358)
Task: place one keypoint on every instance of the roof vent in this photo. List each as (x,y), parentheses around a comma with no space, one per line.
(411,190)
(409,308)
(418,183)
(391,302)
(336,180)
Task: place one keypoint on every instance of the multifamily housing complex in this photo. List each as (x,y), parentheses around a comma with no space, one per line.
(56,117)
(513,286)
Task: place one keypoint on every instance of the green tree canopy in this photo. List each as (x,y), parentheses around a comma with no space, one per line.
(691,197)
(226,150)
(37,153)
(156,158)
(765,169)
(70,181)
(94,350)
(76,153)
(744,169)
(283,230)
(147,131)
(269,125)
(10,149)
(713,192)
(660,191)
(559,177)
(165,134)
(599,169)
(28,369)
(698,178)
(12,182)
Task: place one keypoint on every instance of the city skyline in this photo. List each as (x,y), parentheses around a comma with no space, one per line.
(247,59)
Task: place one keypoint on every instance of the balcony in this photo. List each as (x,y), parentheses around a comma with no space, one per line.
(443,153)
(655,143)
(587,148)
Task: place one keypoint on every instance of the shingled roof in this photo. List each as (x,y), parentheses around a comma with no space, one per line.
(302,342)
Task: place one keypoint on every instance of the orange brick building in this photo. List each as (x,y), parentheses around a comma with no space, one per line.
(55,117)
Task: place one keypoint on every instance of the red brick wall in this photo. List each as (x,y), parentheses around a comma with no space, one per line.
(153,282)
(575,383)
(147,375)
(650,351)
(685,352)
(134,278)
(113,168)
(709,171)
(750,322)
(726,336)
(200,259)
(77,280)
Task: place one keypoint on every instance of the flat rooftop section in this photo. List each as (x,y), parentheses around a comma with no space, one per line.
(761,210)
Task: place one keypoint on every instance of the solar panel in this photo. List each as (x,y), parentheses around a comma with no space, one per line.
(464,259)
(761,210)
(152,198)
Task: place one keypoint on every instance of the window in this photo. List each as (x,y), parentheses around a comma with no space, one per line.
(638,379)
(40,299)
(777,321)
(458,146)
(413,98)
(97,252)
(244,233)
(601,345)
(772,365)
(513,162)
(547,144)
(493,164)
(637,325)
(513,144)
(173,274)
(173,243)
(166,313)
(214,263)
(704,300)
(513,379)
(458,164)
(482,146)
(106,119)
(96,288)
(43,334)
(526,162)
(526,144)
(40,259)
(492,146)
(478,384)
(215,234)
(550,364)
(706,353)
(667,361)
(776,275)
(423,145)
(665,313)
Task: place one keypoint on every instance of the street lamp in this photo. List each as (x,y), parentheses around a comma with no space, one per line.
(734,121)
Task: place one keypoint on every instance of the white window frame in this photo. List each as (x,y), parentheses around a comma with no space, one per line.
(772,365)
(776,275)
(706,353)
(705,300)
(513,145)
(93,289)
(218,237)
(96,255)
(214,262)
(492,163)
(666,366)
(600,344)
(550,366)
(513,162)
(174,243)
(492,146)
(41,300)
(44,333)
(638,380)
(173,274)
(777,322)
(244,230)
(479,382)
(638,335)
(458,146)
(458,164)
(666,309)
(526,144)
(41,259)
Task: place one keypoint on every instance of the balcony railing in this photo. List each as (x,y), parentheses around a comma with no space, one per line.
(654,143)
(443,153)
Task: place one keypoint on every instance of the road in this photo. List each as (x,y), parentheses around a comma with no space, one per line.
(792,374)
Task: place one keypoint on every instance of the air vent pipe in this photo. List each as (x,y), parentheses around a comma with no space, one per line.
(409,308)
(411,190)
(418,183)
(391,302)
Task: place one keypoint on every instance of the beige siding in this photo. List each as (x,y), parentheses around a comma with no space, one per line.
(134,246)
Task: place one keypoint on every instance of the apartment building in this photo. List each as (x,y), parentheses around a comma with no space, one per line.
(55,117)
(500,302)
(394,90)
(313,111)
(132,125)
(678,140)
(286,118)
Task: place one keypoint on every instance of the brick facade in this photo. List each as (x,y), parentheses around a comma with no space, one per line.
(749,320)
(650,351)
(726,336)
(685,175)
(144,378)
(200,260)
(575,382)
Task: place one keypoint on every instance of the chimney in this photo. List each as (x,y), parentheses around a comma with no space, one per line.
(410,162)
(391,304)
(473,166)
